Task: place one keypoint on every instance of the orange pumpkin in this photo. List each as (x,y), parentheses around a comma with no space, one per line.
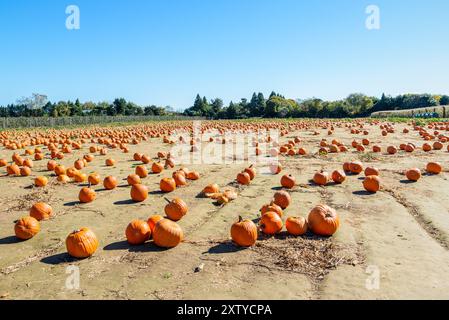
(244,233)
(270,223)
(371,171)
(338,176)
(176,209)
(413,174)
(243,178)
(434,168)
(110,182)
(87,195)
(157,167)
(296,226)
(167,185)
(371,183)
(41,211)
(40,181)
(288,181)
(282,199)
(26,228)
(81,243)
(167,234)
(137,232)
(153,220)
(321,178)
(133,179)
(139,192)
(323,220)
(272,207)
(94,179)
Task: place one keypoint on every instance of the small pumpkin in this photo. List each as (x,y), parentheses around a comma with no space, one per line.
(167,185)
(180,178)
(157,167)
(251,171)
(371,183)
(338,176)
(243,178)
(371,171)
(244,232)
(356,167)
(110,182)
(282,198)
(270,223)
(86,195)
(153,220)
(296,226)
(139,192)
(288,181)
(211,188)
(137,232)
(94,179)
(25,171)
(323,220)
(26,228)
(133,179)
(176,209)
(321,178)
(272,207)
(413,174)
(40,181)
(63,178)
(434,167)
(110,162)
(141,171)
(41,211)
(167,234)
(193,175)
(81,243)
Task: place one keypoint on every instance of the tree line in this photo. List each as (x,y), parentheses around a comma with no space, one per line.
(276,106)
(68,108)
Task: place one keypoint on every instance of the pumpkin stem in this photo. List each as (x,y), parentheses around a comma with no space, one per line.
(166,199)
(240,219)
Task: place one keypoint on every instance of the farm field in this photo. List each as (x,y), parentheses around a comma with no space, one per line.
(390,244)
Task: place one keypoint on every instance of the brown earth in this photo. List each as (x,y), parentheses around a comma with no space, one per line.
(400,233)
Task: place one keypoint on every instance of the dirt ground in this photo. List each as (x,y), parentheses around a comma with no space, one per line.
(391,245)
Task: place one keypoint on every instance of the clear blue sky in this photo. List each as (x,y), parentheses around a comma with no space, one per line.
(164,52)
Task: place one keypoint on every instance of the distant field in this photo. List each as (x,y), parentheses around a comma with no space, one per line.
(443,112)
(39,122)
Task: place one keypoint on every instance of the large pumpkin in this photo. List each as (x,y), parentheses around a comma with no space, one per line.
(86,195)
(81,243)
(244,232)
(371,183)
(296,226)
(323,220)
(167,185)
(139,192)
(167,234)
(434,168)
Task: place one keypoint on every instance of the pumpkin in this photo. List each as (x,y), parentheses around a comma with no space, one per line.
(426,147)
(193,175)
(153,220)
(137,232)
(167,185)
(180,178)
(63,178)
(28,163)
(13,169)
(86,195)
(70,172)
(167,234)
(275,168)
(296,226)
(323,220)
(3,162)
(133,179)
(41,211)
(81,243)
(211,188)
(60,169)
(139,192)
(40,181)
(272,207)
(145,159)
(356,167)
(94,179)
(141,171)
(157,167)
(110,162)
(137,156)
(243,178)
(80,177)
(282,199)
(321,178)
(25,171)
(392,150)
(371,171)
(288,181)
(371,183)
(347,167)
(26,228)
(434,167)
(436,146)
(110,182)
(176,209)
(79,164)
(244,232)
(413,174)
(270,223)
(251,171)
(338,176)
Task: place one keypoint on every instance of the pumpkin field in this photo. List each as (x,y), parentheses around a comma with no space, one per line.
(312,209)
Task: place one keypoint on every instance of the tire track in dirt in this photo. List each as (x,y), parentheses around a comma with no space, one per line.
(425,223)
